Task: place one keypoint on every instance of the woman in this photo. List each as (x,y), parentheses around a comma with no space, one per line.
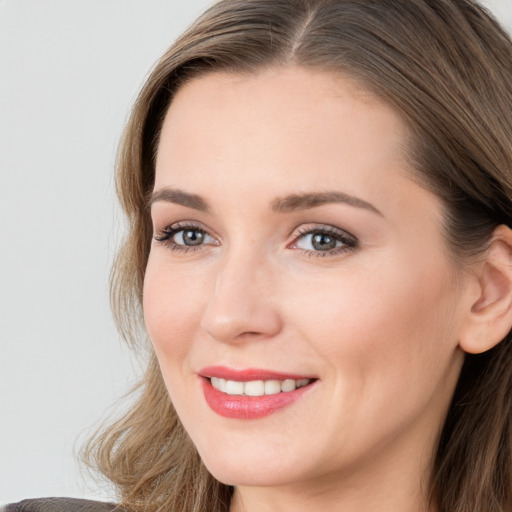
(319,197)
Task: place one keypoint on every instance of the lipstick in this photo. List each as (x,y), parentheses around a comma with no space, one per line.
(251,393)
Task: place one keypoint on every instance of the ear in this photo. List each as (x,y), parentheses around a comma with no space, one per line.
(490,318)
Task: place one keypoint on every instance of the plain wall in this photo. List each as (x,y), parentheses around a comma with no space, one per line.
(69,71)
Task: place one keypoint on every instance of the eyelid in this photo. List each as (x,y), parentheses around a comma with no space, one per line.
(165,235)
(306,229)
(349,241)
(184,224)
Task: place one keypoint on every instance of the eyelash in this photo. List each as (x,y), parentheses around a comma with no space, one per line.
(165,237)
(350,243)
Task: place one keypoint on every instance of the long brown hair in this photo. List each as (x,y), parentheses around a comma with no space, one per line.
(445,66)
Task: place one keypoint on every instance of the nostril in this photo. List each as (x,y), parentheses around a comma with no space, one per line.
(231,321)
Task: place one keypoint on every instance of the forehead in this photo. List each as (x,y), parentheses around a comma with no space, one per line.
(245,140)
(281,119)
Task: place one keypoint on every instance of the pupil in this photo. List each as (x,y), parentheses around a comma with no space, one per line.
(193,237)
(323,242)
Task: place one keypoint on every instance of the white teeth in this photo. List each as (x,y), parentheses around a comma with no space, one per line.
(254,388)
(288,385)
(234,387)
(222,385)
(219,384)
(272,387)
(257,387)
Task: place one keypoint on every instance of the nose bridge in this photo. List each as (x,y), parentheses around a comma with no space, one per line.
(241,301)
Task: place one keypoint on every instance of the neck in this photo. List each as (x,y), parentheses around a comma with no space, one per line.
(342,497)
(380,484)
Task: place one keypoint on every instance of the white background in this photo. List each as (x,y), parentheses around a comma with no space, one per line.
(69,70)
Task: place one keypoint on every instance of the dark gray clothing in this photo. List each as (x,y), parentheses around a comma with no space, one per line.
(61,505)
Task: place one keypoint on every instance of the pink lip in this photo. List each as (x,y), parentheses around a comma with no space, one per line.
(248,407)
(248,374)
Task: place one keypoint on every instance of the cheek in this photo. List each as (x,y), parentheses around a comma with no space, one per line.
(378,324)
(171,303)
(387,347)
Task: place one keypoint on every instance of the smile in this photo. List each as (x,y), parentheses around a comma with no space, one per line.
(251,394)
(257,387)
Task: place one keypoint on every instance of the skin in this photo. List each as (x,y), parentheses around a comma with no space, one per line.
(378,324)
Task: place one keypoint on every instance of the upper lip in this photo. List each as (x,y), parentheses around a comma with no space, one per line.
(249,374)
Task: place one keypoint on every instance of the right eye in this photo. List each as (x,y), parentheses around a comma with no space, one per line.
(184,237)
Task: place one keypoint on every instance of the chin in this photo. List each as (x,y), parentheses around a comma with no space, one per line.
(245,473)
(249,468)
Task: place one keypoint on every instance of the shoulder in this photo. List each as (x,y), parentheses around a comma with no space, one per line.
(60,505)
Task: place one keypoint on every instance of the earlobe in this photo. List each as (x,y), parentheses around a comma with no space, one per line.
(490,318)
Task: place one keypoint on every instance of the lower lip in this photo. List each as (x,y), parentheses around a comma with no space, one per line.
(248,407)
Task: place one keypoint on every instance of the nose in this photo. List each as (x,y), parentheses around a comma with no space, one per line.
(243,303)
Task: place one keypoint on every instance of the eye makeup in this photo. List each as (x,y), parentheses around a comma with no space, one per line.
(310,240)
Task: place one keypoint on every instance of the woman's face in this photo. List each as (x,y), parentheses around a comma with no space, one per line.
(299,294)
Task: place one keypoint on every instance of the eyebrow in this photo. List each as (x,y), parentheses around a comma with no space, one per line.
(286,204)
(310,200)
(177,196)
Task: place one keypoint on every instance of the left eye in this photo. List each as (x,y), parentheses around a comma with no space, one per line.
(318,242)
(324,241)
